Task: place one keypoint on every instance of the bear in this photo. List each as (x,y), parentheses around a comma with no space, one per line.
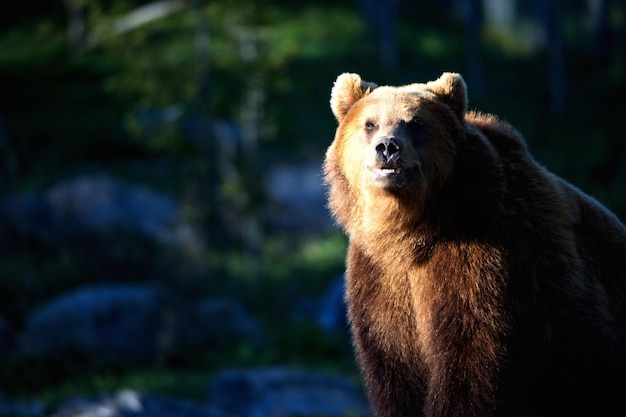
(478,283)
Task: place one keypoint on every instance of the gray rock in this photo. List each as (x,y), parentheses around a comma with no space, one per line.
(95,204)
(217,323)
(102,203)
(120,322)
(297,199)
(130,403)
(127,323)
(6,340)
(331,311)
(22,217)
(21,408)
(283,392)
(266,392)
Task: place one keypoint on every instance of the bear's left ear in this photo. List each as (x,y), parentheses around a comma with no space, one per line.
(451,88)
(347,90)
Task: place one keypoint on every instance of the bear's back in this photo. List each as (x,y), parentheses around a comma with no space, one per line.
(546,209)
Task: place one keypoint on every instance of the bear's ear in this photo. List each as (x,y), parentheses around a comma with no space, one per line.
(347,90)
(451,88)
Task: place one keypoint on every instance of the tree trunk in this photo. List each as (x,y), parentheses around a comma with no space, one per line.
(381,17)
(556,58)
(75,25)
(474,61)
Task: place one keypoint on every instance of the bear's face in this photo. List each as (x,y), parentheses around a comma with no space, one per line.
(396,142)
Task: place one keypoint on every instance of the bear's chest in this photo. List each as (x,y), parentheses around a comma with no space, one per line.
(390,308)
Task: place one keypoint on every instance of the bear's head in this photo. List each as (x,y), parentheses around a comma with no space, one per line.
(393,145)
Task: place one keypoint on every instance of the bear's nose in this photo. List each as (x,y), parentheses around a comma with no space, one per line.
(387,149)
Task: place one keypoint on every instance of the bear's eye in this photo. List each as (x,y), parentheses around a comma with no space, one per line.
(416,129)
(415,125)
(415,122)
(369,125)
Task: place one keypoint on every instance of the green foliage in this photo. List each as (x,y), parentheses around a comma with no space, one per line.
(25,49)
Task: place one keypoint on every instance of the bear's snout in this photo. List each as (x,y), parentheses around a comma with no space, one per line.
(388,149)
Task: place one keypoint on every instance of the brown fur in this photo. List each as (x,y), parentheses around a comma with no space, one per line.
(478,284)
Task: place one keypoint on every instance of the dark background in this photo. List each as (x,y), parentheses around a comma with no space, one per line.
(183,151)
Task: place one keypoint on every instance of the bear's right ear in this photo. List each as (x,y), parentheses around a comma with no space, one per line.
(451,88)
(347,90)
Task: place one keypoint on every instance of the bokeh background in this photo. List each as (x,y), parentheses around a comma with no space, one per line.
(162,212)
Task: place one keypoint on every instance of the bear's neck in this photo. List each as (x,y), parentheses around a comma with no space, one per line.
(397,225)
(464,208)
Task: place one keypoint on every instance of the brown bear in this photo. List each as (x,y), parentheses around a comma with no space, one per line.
(477,282)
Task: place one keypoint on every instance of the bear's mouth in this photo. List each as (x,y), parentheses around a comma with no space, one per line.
(387,171)
(388,176)
(392,176)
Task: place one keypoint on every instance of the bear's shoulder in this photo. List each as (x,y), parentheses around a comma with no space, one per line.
(500,134)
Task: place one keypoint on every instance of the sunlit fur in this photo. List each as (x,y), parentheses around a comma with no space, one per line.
(483,285)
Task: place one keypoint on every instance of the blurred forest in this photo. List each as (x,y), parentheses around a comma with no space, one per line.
(209,108)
